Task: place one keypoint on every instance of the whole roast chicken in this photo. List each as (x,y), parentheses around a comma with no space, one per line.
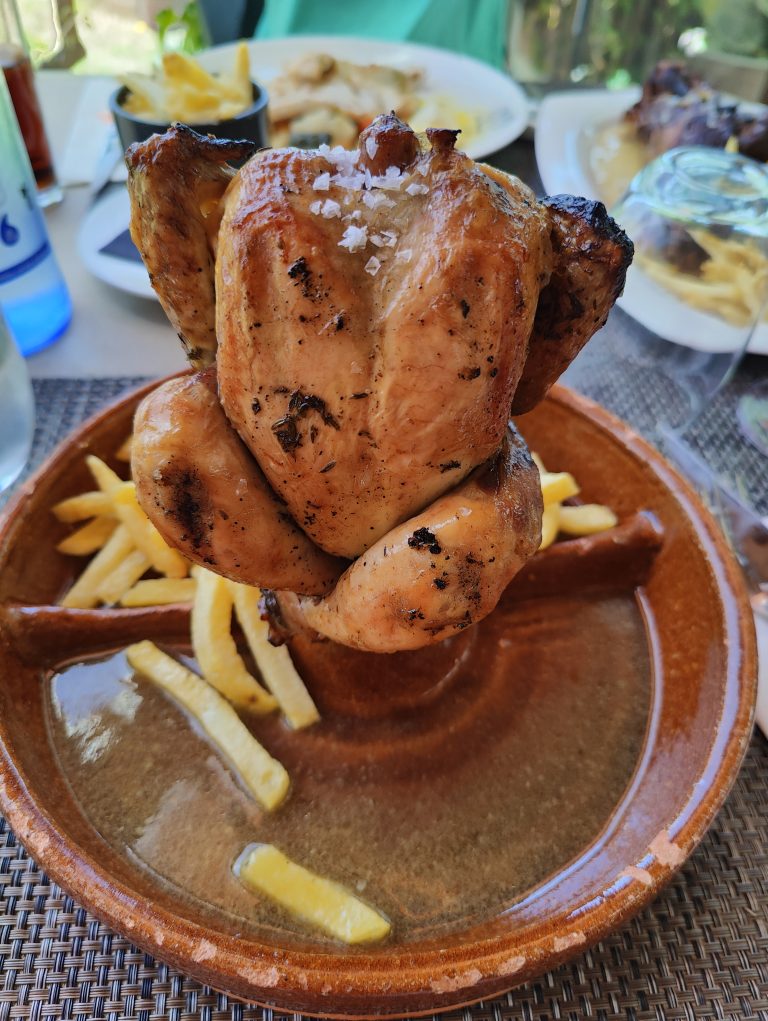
(363,323)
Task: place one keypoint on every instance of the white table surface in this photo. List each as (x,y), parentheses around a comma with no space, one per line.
(112,333)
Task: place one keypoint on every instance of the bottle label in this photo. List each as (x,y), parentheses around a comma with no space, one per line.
(23,237)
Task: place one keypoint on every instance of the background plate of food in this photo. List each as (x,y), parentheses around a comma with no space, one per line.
(585,145)
(334,86)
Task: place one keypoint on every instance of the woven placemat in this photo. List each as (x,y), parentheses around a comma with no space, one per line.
(699,952)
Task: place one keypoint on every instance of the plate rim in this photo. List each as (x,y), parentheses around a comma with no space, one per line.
(252,969)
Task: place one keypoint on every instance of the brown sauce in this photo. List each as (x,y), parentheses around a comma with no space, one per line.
(501,757)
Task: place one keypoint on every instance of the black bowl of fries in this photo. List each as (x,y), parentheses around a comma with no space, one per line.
(223,105)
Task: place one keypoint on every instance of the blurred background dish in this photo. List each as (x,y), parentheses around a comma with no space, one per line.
(568,124)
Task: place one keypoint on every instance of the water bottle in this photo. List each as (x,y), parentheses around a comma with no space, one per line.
(17,409)
(33,295)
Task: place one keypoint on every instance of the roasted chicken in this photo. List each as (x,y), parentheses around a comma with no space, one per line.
(378,314)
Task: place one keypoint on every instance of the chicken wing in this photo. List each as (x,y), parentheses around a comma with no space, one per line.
(176,181)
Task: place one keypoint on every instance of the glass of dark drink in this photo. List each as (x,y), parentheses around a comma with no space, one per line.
(20,78)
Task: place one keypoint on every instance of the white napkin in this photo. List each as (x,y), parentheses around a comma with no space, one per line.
(91,127)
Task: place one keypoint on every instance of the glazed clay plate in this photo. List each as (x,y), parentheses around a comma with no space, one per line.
(506,798)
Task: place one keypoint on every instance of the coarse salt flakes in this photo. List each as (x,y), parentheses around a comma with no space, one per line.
(422,169)
(354,215)
(354,238)
(314,207)
(351,181)
(404,254)
(417,189)
(387,239)
(322,182)
(330,209)
(377,200)
(371,146)
(373,266)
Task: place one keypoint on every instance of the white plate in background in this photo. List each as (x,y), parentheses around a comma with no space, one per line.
(560,141)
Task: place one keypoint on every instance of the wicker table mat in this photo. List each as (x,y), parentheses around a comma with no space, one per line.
(700,951)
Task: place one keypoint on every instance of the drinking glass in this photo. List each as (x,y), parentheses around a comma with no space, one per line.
(699,221)
(17,409)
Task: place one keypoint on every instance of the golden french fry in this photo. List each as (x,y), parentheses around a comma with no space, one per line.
(178,67)
(84,593)
(274,662)
(550,521)
(145,536)
(88,538)
(586,519)
(123,577)
(262,775)
(145,95)
(83,506)
(538,462)
(159,592)
(164,559)
(215,648)
(557,486)
(318,901)
(123,452)
(241,74)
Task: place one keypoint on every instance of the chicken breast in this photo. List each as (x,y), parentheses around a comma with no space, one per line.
(371,337)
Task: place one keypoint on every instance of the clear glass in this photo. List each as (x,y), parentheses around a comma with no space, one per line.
(33,295)
(17,409)
(20,78)
(699,221)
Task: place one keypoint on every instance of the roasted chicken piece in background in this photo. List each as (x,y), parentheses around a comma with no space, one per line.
(378,312)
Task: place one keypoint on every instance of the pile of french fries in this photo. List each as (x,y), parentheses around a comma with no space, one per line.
(570,520)
(185,91)
(126,546)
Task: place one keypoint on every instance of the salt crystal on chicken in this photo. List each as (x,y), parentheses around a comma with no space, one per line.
(322,182)
(330,209)
(354,215)
(417,189)
(373,266)
(352,181)
(354,238)
(391,238)
(423,169)
(314,207)
(404,254)
(371,146)
(377,200)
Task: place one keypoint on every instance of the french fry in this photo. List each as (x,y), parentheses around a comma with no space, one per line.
(538,462)
(557,486)
(123,452)
(145,536)
(215,648)
(88,538)
(84,593)
(586,519)
(160,592)
(83,506)
(274,662)
(164,559)
(261,774)
(123,577)
(318,901)
(550,520)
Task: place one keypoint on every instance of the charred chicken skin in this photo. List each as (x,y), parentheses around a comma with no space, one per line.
(378,314)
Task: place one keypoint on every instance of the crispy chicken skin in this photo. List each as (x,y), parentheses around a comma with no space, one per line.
(442,570)
(377,315)
(208,496)
(175,210)
(374,393)
(590,259)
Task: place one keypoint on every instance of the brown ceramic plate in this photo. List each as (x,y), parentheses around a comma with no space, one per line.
(660,710)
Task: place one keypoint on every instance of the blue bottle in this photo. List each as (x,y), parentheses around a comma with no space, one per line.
(33,295)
